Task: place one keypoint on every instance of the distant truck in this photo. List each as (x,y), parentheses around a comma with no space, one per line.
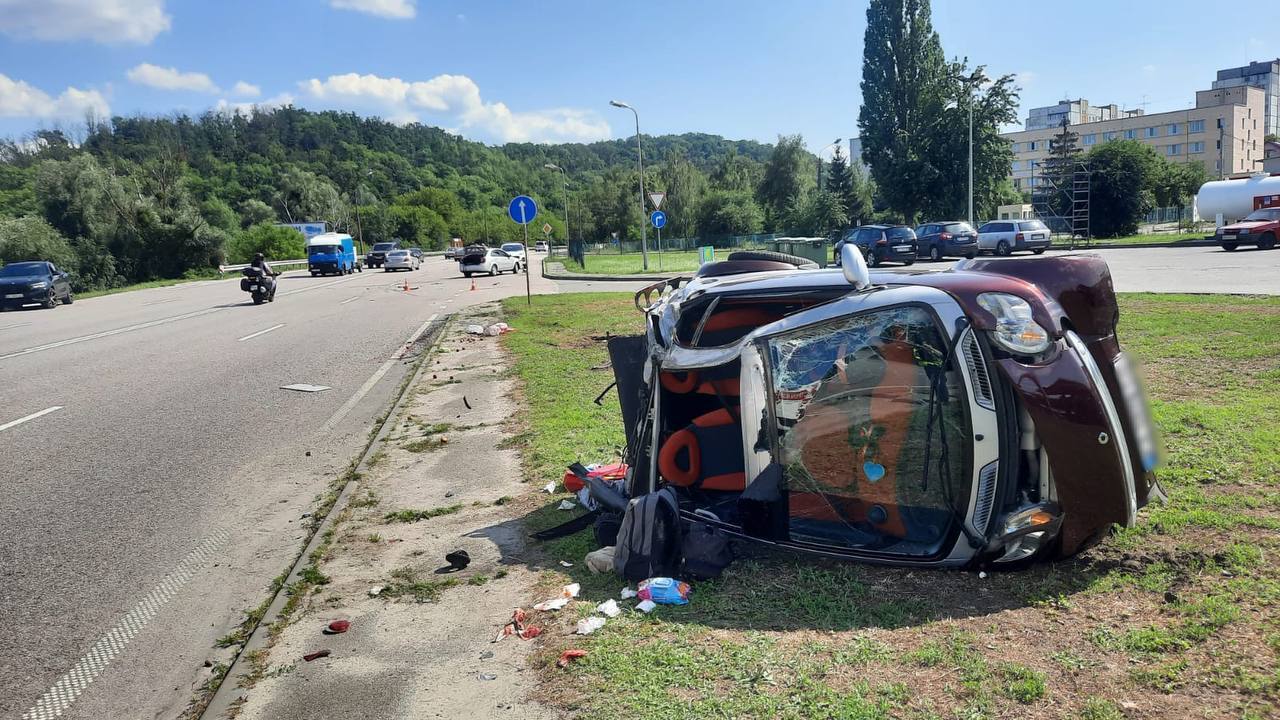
(332,253)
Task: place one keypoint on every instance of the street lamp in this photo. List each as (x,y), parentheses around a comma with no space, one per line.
(834,144)
(971,82)
(644,230)
(359,197)
(564,176)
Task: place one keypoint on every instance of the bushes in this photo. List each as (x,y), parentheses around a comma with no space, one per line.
(273,241)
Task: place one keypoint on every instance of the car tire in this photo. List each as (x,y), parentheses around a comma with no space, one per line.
(1038,251)
(1229,246)
(1003,249)
(1266,242)
(970,256)
(770,256)
(493,270)
(875,259)
(466,274)
(935,253)
(516,270)
(51,301)
(908,262)
(68,299)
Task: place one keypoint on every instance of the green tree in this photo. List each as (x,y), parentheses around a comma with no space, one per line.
(849,188)
(727,212)
(737,173)
(31,238)
(820,215)
(1122,174)
(788,177)
(685,186)
(1058,171)
(254,212)
(904,88)
(273,241)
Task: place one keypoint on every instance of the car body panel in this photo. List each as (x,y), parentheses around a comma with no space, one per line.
(953,238)
(33,285)
(515,250)
(1016,234)
(1261,232)
(401,260)
(494,258)
(880,243)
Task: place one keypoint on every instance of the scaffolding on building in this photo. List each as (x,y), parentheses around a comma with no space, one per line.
(1061,201)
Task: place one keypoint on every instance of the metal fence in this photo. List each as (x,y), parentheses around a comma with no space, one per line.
(720,242)
(1161,216)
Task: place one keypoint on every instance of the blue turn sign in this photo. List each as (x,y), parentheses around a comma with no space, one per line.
(658,218)
(523,209)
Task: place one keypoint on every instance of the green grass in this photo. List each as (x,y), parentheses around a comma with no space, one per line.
(410,515)
(632,263)
(169,282)
(1151,238)
(409,583)
(789,636)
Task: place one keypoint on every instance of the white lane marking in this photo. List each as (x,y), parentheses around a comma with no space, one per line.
(166,300)
(149,324)
(260,332)
(350,299)
(64,692)
(7,327)
(32,416)
(341,412)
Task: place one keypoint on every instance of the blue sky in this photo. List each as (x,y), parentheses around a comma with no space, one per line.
(545,71)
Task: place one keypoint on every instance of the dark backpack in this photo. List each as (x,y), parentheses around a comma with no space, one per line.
(649,539)
(706,551)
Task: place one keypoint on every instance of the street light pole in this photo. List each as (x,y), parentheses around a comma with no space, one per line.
(644,230)
(971,158)
(834,144)
(564,176)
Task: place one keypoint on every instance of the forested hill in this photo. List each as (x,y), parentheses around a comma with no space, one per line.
(148,197)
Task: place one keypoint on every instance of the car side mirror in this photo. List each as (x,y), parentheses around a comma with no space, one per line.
(854,267)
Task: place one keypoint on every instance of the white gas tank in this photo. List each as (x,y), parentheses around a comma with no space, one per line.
(1233,199)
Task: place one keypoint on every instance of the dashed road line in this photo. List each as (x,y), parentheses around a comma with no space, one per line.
(260,332)
(15,325)
(57,699)
(350,299)
(32,416)
(373,379)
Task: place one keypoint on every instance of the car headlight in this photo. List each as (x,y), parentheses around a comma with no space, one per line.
(1016,331)
(39,285)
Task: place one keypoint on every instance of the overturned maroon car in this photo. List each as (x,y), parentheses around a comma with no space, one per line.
(985,414)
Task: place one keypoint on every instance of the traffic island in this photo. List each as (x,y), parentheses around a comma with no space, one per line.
(420,628)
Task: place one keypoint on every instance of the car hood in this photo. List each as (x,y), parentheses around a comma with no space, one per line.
(1250,225)
(22,280)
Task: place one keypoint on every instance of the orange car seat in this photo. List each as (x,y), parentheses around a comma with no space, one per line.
(835,459)
(707,454)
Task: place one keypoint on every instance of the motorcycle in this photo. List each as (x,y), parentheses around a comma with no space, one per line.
(261,285)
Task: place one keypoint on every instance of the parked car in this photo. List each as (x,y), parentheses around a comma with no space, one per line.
(490,260)
(1260,227)
(402,259)
(983,414)
(378,254)
(541,246)
(515,250)
(879,243)
(1003,237)
(33,283)
(952,238)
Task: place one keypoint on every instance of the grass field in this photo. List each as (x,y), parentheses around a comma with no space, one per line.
(632,263)
(1152,238)
(1174,618)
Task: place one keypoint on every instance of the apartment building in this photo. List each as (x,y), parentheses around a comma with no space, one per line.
(1075,112)
(1224,131)
(1265,75)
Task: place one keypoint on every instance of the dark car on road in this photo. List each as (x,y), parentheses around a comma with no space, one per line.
(878,243)
(378,255)
(983,414)
(1260,227)
(952,238)
(33,283)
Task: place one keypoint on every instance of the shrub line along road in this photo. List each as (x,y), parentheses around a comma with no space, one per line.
(158,474)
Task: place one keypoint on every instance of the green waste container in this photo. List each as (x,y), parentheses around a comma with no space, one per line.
(815,249)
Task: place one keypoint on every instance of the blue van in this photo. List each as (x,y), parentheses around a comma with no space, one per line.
(332,253)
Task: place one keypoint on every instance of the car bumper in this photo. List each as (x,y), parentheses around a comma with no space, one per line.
(324,266)
(1241,238)
(959,248)
(13,297)
(398,265)
(900,253)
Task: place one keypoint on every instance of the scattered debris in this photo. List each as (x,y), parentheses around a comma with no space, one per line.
(982,575)
(627,593)
(337,627)
(315,655)
(586,626)
(515,626)
(646,606)
(565,563)
(305,387)
(458,559)
(609,608)
(567,593)
(569,656)
(464,402)
(475,329)
(568,504)
(664,591)
(486,676)
(549,487)
(601,561)
(486,655)
(376,590)
(308,453)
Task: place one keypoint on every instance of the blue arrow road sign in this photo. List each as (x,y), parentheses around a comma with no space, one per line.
(522,209)
(658,218)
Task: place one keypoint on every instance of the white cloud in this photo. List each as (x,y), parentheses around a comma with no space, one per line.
(20,99)
(249,108)
(455,100)
(106,21)
(171,79)
(1024,78)
(244,89)
(390,9)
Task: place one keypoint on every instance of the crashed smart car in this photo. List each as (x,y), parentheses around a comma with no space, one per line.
(985,414)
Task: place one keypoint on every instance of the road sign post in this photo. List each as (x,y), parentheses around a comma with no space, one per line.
(659,220)
(523,210)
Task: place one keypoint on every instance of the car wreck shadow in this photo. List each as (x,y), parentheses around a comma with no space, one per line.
(777,589)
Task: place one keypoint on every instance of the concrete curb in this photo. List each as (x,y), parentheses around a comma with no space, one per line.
(658,277)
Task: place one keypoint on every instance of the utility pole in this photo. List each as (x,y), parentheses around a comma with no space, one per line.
(644,230)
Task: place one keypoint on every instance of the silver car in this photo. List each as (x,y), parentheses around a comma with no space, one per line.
(1002,237)
(401,260)
(490,260)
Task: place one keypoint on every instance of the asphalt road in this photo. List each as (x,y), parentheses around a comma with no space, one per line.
(157,474)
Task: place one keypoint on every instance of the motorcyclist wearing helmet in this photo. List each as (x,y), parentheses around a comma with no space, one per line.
(268,275)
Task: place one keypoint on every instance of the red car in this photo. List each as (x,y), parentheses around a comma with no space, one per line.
(1260,228)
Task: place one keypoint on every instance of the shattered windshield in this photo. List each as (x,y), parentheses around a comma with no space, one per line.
(872,432)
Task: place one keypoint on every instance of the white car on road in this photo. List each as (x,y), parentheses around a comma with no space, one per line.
(515,250)
(492,261)
(401,260)
(1002,237)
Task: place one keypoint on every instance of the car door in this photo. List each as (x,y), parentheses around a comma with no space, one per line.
(846,410)
(504,261)
(58,281)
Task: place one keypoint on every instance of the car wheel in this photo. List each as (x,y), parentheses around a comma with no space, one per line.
(386,269)
(314,274)
(935,253)
(875,259)
(970,256)
(516,269)
(1038,251)
(466,274)
(1229,246)
(493,270)
(68,299)
(1266,242)
(1002,249)
(51,301)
